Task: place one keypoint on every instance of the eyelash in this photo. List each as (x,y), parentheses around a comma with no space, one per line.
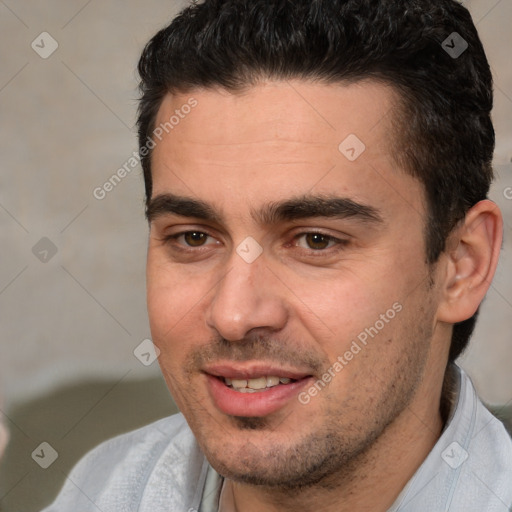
(336,243)
(174,238)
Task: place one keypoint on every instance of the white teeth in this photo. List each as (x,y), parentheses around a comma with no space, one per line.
(272,381)
(256,384)
(259,383)
(238,383)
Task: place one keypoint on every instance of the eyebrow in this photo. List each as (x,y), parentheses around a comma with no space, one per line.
(297,208)
(165,204)
(309,206)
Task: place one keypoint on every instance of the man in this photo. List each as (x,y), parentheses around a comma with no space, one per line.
(320,242)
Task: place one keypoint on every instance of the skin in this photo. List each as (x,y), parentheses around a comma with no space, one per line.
(300,304)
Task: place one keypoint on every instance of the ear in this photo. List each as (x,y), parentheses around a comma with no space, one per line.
(472,257)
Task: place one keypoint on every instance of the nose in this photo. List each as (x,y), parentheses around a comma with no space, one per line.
(248,297)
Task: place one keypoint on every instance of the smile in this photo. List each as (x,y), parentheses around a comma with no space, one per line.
(253,389)
(256,384)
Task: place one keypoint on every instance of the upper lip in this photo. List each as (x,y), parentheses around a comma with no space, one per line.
(252,370)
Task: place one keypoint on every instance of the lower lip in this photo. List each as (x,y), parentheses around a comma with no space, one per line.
(260,403)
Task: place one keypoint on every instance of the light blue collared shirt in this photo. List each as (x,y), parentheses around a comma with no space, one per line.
(160,468)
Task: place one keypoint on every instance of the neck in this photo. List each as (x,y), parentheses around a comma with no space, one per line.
(397,454)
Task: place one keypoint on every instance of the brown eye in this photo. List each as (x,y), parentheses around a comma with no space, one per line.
(317,241)
(195,238)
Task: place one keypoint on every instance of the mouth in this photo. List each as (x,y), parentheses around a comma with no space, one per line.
(253,390)
(256,385)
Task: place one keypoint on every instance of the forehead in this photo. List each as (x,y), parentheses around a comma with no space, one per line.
(307,111)
(280,138)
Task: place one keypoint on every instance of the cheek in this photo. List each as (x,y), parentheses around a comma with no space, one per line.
(347,304)
(174,334)
(174,304)
(360,320)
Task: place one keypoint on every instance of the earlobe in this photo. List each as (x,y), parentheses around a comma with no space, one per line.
(472,262)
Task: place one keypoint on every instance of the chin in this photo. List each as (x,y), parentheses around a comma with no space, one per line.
(257,459)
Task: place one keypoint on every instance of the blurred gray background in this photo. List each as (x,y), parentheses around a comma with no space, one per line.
(72,290)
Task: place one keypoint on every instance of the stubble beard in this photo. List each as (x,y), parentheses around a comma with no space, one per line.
(342,447)
(323,458)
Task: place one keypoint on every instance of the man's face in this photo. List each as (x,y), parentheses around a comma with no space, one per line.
(276,253)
